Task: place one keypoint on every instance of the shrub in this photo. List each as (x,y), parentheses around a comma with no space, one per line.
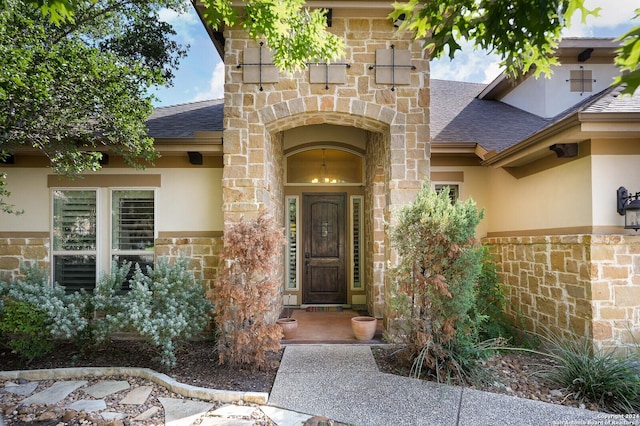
(489,309)
(101,306)
(435,283)
(166,305)
(24,329)
(246,294)
(605,377)
(63,314)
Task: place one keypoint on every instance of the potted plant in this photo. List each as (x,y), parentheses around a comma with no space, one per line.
(288,325)
(364,327)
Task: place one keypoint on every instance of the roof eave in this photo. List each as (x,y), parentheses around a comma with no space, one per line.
(537,145)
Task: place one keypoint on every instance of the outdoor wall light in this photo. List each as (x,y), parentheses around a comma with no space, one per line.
(399,20)
(629,206)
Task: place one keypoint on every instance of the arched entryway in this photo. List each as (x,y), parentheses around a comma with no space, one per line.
(394,164)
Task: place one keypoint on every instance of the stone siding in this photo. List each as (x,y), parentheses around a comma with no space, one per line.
(583,284)
(396,118)
(15,252)
(202,253)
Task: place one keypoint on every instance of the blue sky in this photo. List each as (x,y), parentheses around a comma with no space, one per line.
(201,74)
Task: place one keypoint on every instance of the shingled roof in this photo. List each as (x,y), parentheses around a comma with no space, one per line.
(182,121)
(611,101)
(457,115)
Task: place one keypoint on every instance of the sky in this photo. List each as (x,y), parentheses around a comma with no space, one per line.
(201,73)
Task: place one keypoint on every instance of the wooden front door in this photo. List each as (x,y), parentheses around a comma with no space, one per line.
(324,278)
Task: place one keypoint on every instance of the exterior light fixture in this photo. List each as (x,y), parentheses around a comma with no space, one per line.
(399,20)
(629,207)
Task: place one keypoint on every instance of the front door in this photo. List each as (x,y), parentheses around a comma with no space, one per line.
(324,278)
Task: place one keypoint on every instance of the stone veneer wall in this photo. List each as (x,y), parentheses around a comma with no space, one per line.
(375,219)
(583,284)
(16,251)
(396,119)
(202,253)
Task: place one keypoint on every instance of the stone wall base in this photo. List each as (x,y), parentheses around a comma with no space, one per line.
(588,285)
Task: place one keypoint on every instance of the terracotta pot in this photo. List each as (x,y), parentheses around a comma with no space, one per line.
(364,328)
(289,327)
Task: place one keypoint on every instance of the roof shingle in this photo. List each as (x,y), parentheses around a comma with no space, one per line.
(182,121)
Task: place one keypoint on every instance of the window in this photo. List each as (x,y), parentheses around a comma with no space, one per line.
(74,239)
(79,237)
(132,228)
(356,242)
(292,243)
(454,191)
(324,166)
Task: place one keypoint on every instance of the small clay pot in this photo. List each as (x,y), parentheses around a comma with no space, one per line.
(289,327)
(364,328)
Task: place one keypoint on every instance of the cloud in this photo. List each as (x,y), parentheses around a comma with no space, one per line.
(613,13)
(216,85)
(182,22)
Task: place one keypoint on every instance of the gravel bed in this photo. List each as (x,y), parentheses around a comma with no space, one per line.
(16,413)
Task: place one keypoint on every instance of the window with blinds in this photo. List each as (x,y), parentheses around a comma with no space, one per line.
(454,191)
(356,242)
(74,238)
(292,243)
(133,229)
(133,221)
(130,222)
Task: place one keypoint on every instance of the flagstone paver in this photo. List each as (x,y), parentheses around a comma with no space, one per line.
(179,412)
(147,414)
(110,415)
(102,389)
(88,405)
(21,389)
(137,396)
(219,421)
(56,393)
(234,410)
(284,417)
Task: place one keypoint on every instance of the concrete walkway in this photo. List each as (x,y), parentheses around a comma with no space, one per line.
(342,382)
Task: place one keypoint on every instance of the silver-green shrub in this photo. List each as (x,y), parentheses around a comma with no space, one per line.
(165,305)
(63,312)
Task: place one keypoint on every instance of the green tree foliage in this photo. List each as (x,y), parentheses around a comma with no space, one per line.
(74,87)
(246,295)
(295,34)
(435,280)
(523,33)
(628,58)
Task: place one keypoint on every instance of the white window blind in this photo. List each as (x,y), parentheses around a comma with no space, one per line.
(74,238)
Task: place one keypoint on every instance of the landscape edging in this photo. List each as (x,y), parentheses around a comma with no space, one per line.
(161,379)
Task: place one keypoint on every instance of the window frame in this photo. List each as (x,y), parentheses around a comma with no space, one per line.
(104,226)
(439,186)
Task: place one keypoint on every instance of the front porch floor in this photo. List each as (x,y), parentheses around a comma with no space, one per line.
(328,327)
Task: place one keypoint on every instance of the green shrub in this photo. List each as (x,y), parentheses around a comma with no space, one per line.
(435,290)
(63,314)
(605,377)
(489,310)
(165,305)
(24,329)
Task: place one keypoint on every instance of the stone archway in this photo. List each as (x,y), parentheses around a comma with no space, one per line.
(396,165)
